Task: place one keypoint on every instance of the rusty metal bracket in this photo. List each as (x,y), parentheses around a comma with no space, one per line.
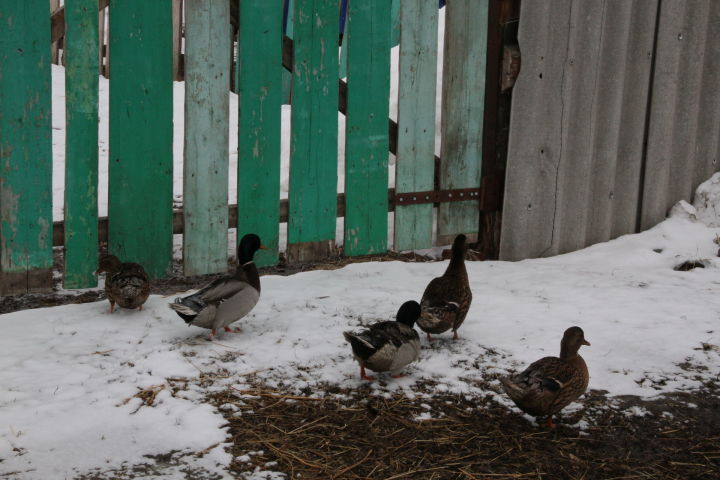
(437,196)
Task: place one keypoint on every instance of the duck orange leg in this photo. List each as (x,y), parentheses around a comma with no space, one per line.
(455,335)
(429,338)
(549,422)
(212,334)
(112,307)
(364,376)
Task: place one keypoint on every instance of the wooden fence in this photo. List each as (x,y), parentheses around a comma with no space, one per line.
(141,220)
(615,117)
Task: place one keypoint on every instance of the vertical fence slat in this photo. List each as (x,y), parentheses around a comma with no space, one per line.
(25,148)
(682,107)
(462,114)
(366,152)
(415,161)
(141,136)
(259,100)
(81,143)
(177,14)
(313,150)
(205,169)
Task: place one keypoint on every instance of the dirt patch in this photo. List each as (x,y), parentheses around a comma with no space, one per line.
(361,436)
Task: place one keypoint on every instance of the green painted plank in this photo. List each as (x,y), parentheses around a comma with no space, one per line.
(395,33)
(81,144)
(25,147)
(140,193)
(313,142)
(462,114)
(205,166)
(415,162)
(366,152)
(259,101)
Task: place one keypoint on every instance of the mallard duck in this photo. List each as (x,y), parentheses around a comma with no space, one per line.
(126,284)
(551,383)
(446,299)
(387,346)
(227,299)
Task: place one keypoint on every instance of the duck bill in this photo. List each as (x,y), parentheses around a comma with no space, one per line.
(263,247)
(585,342)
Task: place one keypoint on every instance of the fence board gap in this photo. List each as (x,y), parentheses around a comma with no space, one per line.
(141,135)
(205,186)
(313,143)
(366,152)
(462,115)
(415,163)
(25,148)
(81,144)
(260,90)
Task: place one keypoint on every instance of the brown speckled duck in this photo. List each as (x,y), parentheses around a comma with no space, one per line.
(227,299)
(446,299)
(126,284)
(551,383)
(387,346)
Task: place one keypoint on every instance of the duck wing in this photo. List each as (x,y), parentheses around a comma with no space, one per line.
(130,285)
(385,346)
(218,304)
(547,385)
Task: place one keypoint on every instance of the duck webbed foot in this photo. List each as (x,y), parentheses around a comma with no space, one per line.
(364,376)
(233,330)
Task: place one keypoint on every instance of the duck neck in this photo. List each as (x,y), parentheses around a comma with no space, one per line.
(567,352)
(249,271)
(457,263)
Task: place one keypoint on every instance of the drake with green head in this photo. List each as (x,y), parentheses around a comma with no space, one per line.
(227,299)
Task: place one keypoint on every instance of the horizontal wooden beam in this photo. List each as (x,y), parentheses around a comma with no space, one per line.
(179,225)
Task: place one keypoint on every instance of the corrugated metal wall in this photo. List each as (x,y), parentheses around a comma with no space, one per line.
(588,97)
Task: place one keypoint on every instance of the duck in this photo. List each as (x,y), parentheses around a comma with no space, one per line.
(228,298)
(551,383)
(126,283)
(387,346)
(446,300)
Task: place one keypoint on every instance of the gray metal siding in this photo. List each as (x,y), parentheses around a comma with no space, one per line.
(577,124)
(684,120)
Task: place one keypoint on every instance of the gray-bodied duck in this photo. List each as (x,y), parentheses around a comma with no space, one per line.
(551,383)
(446,299)
(387,346)
(227,299)
(126,283)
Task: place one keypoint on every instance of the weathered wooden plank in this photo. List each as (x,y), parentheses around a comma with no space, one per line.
(81,144)
(259,102)
(205,186)
(620,106)
(101,38)
(25,148)
(536,132)
(462,114)
(366,137)
(313,150)
(682,148)
(140,184)
(415,162)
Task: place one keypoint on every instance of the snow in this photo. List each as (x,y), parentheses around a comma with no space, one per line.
(67,371)
(69,374)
